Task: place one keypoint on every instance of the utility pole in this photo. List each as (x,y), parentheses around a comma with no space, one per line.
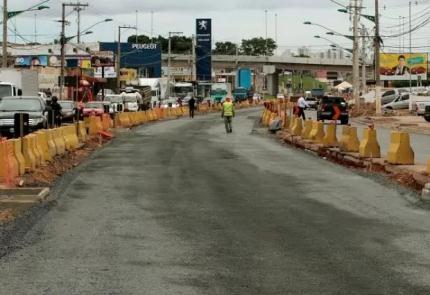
(377,44)
(152,24)
(356,6)
(169,61)
(410,51)
(363,60)
(118,56)
(276,29)
(193,66)
(137,12)
(63,41)
(78,8)
(265,17)
(5,19)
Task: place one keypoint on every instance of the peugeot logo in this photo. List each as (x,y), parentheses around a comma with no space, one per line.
(203,25)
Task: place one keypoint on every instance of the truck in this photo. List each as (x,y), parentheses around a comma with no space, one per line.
(156,86)
(243,88)
(15,82)
(184,91)
(219,91)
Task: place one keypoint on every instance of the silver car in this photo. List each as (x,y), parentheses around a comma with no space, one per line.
(400,103)
(391,95)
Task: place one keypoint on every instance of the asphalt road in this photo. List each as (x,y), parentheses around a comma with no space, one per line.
(420,142)
(180,207)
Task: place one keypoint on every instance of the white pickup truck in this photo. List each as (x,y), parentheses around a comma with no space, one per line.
(419,102)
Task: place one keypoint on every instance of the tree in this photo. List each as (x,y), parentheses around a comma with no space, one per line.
(225,48)
(257,46)
(180,44)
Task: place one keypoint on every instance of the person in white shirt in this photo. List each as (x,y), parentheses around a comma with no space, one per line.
(302,105)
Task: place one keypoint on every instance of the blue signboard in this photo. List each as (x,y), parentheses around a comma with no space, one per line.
(144,57)
(204,49)
(31,60)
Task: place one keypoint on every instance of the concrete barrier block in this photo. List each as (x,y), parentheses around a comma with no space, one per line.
(317,134)
(297,128)
(330,138)
(400,151)
(43,144)
(28,153)
(60,145)
(306,132)
(369,146)
(17,150)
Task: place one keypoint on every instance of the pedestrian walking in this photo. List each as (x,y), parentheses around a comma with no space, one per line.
(56,111)
(302,105)
(228,114)
(192,106)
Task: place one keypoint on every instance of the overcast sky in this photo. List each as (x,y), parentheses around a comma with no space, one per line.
(233,20)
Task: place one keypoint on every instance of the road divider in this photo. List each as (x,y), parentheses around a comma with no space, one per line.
(330,138)
(369,146)
(400,151)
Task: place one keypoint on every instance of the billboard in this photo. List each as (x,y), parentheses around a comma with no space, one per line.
(144,57)
(127,75)
(398,67)
(204,49)
(102,59)
(31,60)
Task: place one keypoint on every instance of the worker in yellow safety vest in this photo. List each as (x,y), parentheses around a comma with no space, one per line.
(228,114)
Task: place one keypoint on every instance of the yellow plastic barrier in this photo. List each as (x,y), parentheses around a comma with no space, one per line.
(123,119)
(105,122)
(28,153)
(37,150)
(306,132)
(72,136)
(317,134)
(95,125)
(369,146)
(42,141)
(297,128)
(60,145)
(82,131)
(17,150)
(51,144)
(65,135)
(400,151)
(292,124)
(330,139)
(8,164)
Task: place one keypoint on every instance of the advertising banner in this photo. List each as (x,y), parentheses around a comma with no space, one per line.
(102,59)
(34,60)
(127,75)
(204,49)
(109,72)
(398,67)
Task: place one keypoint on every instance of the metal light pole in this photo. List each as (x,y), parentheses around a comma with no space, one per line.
(377,44)
(118,55)
(356,57)
(410,50)
(63,43)
(4,44)
(363,60)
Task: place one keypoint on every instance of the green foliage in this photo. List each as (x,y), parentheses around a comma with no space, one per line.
(257,46)
(225,48)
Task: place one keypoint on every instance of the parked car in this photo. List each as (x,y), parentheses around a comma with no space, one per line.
(99,96)
(420,107)
(95,108)
(280,96)
(326,110)
(402,102)
(312,102)
(116,103)
(427,113)
(391,95)
(33,105)
(68,110)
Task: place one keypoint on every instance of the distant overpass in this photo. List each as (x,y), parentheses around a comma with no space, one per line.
(281,63)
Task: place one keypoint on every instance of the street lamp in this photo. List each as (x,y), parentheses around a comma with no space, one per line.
(67,39)
(118,53)
(9,14)
(324,27)
(92,26)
